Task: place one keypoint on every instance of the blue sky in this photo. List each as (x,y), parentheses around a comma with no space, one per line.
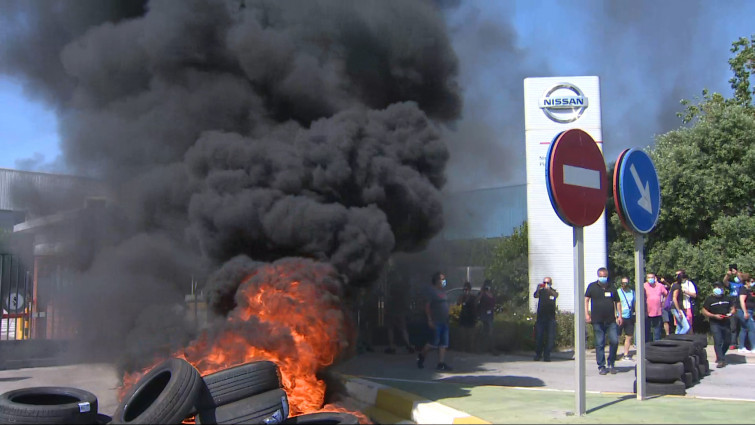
(649,55)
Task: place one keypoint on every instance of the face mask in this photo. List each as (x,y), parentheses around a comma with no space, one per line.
(736,279)
(718,292)
(443,283)
(651,280)
(603,279)
(624,284)
(549,284)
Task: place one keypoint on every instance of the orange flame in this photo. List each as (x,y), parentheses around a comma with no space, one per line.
(288,312)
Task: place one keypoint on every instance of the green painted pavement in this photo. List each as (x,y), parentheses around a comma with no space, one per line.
(499,405)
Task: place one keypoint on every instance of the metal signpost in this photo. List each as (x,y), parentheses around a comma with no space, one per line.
(637,197)
(575,175)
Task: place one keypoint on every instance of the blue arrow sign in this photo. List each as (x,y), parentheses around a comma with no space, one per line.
(640,191)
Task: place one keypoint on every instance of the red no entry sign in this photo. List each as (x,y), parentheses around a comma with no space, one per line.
(576,178)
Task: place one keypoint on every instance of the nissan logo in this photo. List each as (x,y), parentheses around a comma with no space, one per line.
(564,103)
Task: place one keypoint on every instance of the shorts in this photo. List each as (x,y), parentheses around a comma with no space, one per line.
(627,326)
(440,336)
(666,316)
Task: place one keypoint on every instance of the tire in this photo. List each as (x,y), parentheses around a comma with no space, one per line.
(103,419)
(687,379)
(324,418)
(674,388)
(700,339)
(666,351)
(702,354)
(689,364)
(238,382)
(706,367)
(268,407)
(49,405)
(662,373)
(701,372)
(165,395)
(695,375)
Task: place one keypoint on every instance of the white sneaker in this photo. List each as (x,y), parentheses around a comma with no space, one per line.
(744,351)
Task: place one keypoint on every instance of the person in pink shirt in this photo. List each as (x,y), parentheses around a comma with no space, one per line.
(654,293)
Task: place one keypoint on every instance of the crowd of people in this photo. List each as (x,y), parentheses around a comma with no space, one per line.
(610,309)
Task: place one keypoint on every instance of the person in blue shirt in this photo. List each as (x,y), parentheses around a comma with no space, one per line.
(734,281)
(626,295)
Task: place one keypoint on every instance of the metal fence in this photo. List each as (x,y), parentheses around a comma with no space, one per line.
(16,292)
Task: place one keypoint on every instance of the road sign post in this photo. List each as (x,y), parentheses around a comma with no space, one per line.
(637,196)
(579,319)
(575,174)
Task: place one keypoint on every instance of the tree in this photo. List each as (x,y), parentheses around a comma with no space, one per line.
(707,185)
(508,268)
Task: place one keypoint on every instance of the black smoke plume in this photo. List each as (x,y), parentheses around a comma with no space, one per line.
(267,129)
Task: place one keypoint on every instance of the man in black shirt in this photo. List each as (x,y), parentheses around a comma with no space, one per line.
(718,309)
(546,318)
(605,319)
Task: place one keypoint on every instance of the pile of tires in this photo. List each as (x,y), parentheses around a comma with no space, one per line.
(674,364)
(250,393)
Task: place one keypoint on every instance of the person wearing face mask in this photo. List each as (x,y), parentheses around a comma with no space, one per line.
(654,293)
(546,319)
(689,293)
(733,279)
(603,310)
(677,308)
(437,311)
(718,308)
(626,295)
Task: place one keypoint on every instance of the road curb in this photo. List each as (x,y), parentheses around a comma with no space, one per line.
(403,404)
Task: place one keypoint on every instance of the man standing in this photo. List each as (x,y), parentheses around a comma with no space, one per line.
(654,293)
(436,309)
(486,307)
(546,319)
(626,295)
(718,309)
(603,299)
(733,279)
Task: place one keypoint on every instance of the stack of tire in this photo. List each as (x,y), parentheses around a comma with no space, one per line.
(170,393)
(250,393)
(674,364)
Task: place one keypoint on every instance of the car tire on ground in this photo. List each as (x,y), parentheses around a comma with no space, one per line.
(688,379)
(236,383)
(662,372)
(689,364)
(695,375)
(699,339)
(702,371)
(666,351)
(48,405)
(268,407)
(674,388)
(324,418)
(166,394)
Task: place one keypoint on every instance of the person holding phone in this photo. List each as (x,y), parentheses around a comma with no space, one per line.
(718,309)
(546,319)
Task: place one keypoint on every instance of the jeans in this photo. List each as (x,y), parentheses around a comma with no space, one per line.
(682,325)
(541,327)
(653,328)
(601,330)
(721,338)
(734,327)
(747,329)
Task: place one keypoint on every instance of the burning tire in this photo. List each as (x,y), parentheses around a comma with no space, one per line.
(165,395)
(50,405)
(238,382)
(323,418)
(270,407)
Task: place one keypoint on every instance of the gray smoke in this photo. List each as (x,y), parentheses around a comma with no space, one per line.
(267,129)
